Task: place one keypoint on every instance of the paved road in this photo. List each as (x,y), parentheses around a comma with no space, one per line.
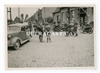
(61,52)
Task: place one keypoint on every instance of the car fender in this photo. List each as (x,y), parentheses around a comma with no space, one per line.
(13,40)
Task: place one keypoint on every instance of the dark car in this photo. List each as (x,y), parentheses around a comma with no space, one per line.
(17,34)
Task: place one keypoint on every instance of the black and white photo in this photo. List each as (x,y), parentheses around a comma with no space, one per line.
(50,36)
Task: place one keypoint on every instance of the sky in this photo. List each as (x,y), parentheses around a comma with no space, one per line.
(25,10)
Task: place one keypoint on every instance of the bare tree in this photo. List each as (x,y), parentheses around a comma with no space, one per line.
(26,16)
(22,17)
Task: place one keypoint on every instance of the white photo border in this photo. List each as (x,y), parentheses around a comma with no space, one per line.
(2,36)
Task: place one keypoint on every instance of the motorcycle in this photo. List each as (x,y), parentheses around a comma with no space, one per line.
(86,29)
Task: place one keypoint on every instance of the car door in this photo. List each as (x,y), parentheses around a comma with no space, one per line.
(23,33)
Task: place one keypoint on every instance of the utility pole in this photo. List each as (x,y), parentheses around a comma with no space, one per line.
(44,14)
(9,11)
(69,14)
(19,12)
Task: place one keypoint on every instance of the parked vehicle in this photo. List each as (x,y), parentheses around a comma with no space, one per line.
(71,29)
(86,29)
(17,35)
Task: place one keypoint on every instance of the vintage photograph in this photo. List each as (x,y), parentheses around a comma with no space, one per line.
(50,36)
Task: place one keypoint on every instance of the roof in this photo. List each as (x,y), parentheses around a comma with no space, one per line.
(18,24)
(57,10)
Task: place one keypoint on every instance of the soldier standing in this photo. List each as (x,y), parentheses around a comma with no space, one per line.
(30,28)
(40,32)
(75,28)
(48,33)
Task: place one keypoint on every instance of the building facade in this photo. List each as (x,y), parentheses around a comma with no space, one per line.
(69,14)
(39,14)
(43,13)
(47,12)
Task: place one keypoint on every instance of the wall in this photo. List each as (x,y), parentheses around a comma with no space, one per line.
(76,14)
(47,12)
(90,17)
(40,15)
(55,17)
(36,15)
(64,17)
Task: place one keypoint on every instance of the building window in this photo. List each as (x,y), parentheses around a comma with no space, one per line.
(92,10)
(57,18)
(72,15)
(62,16)
(67,16)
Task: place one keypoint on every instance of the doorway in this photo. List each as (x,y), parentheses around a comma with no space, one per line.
(83,16)
(82,19)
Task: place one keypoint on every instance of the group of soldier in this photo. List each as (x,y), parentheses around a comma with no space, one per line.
(39,30)
(71,30)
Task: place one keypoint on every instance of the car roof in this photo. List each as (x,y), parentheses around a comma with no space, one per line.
(19,24)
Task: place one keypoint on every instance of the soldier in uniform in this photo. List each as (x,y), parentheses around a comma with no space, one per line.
(40,32)
(30,28)
(48,34)
(75,28)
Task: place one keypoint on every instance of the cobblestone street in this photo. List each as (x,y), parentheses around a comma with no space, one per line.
(61,52)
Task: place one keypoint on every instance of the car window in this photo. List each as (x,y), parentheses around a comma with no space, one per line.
(13,28)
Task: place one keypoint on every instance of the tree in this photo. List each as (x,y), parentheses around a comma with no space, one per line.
(22,17)
(17,20)
(26,16)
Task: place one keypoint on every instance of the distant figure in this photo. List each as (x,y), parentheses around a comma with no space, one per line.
(75,28)
(40,36)
(30,28)
(35,30)
(40,32)
(48,34)
(69,30)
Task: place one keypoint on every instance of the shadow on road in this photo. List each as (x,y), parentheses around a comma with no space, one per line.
(12,49)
